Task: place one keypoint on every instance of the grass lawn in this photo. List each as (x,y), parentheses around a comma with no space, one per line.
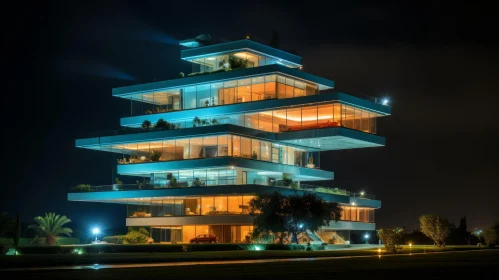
(450,265)
(123,258)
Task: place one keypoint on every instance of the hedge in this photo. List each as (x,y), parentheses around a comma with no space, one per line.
(40,241)
(155,248)
(114,239)
(6,241)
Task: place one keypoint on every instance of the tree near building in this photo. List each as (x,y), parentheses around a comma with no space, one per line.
(490,235)
(291,215)
(435,227)
(51,225)
(391,238)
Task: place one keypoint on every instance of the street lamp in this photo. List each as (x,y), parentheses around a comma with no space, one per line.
(95,231)
(385,101)
(410,248)
(366,237)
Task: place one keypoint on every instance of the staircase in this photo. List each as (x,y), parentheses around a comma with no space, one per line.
(314,237)
(338,239)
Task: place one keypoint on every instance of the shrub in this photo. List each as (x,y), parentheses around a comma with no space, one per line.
(286,181)
(391,238)
(146,124)
(6,241)
(155,155)
(115,239)
(135,237)
(143,231)
(490,237)
(162,124)
(82,188)
(67,241)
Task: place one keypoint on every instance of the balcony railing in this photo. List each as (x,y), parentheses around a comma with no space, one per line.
(317,117)
(207,184)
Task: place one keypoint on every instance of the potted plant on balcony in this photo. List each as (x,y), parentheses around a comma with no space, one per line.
(254,155)
(311,162)
(155,156)
(286,181)
(117,184)
(197,183)
(196,122)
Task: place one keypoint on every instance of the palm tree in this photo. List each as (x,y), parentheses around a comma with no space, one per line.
(51,226)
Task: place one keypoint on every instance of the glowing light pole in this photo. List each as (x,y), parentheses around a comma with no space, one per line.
(95,231)
(410,248)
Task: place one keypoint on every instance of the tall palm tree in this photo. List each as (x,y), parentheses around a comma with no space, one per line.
(51,226)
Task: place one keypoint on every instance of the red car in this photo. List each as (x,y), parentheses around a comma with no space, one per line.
(204,238)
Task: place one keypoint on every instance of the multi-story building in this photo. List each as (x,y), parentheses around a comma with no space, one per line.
(247,121)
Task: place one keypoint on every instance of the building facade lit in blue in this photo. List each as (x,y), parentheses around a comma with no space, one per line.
(247,121)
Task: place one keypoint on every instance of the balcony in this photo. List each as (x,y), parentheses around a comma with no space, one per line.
(229,183)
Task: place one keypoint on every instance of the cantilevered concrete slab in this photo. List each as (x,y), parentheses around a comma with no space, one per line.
(257,106)
(323,83)
(323,139)
(299,173)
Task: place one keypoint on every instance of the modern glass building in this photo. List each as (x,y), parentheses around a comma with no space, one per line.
(247,121)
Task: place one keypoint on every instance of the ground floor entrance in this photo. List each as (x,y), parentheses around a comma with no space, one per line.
(183,234)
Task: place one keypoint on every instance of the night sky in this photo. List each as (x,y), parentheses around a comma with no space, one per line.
(438,64)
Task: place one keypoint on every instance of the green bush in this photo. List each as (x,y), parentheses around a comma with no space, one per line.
(40,241)
(490,237)
(135,237)
(391,238)
(82,188)
(115,239)
(6,241)
(32,241)
(67,241)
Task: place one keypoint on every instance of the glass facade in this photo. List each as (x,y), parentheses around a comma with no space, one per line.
(155,102)
(189,206)
(220,93)
(296,118)
(183,234)
(214,146)
(233,60)
(357,214)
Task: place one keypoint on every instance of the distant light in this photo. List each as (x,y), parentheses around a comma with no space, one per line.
(362,193)
(353,203)
(366,236)
(410,244)
(385,101)
(258,248)
(300,225)
(248,37)
(379,250)
(95,231)
(211,58)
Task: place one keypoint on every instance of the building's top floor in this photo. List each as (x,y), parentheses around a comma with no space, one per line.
(213,57)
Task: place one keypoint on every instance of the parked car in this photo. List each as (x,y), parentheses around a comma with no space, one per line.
(204,238)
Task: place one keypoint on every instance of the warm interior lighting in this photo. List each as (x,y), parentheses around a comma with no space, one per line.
(243,55)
